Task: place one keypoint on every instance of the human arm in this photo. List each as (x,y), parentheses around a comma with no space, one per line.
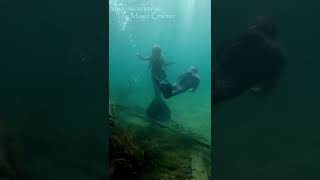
(143,58)
(169,63)
(166,63)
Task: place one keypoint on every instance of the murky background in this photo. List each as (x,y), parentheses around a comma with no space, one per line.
(276,137)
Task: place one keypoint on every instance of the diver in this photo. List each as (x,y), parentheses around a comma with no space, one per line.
(188,81)
(252,63)
(157,65)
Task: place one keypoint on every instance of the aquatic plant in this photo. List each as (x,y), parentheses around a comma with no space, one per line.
(111,121)
(156,151)
(126,157)
(111,115)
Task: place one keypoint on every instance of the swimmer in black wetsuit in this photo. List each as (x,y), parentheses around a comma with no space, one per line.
(188,81)
(254,62)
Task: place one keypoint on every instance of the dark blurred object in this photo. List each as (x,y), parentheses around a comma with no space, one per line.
(158,110)
(254,60)
(11,153)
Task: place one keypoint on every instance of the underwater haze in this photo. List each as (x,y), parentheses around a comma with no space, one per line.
(182,29)
(53,91)
(275,137)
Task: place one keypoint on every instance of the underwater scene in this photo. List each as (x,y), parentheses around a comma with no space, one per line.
(259,133)
(54,90)
(159,89)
